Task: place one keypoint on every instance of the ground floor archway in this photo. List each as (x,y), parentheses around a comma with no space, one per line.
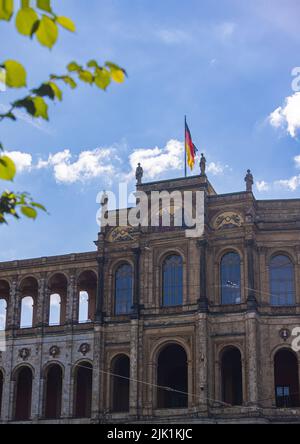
(53,389)
(232,377)
(172,378)
(286,379)
(83,390)
(120,384)
(23,397)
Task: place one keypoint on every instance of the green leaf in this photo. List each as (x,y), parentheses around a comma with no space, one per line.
(69,81)
(25,20)
(41,108)
(92,64)
(29,212)
(117,74)
(66,23)
(47,32)
(39,206)
(86,76)
(15,74)
(102,78)
(73,67)
(26,103)
(7,168)
(6,9)
(44,5)
(56,90)
(45,90)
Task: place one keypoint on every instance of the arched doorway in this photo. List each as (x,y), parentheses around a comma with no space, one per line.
(120,384)
(23,394)
(53,390)
(232,377)
(172,373)
(286,379)
(83,390)
(1,392)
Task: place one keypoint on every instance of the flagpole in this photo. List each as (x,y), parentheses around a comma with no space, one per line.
(185,154)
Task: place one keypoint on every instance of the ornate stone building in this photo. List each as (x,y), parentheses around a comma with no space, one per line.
(155,326)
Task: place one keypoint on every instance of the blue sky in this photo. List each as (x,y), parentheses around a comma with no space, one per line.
(225,63)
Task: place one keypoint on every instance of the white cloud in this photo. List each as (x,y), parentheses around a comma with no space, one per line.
(23,161)
(86,166)
(216,169)
(297,161)
(262,186)
(291,184)
(172,36)
(156,161)
(288,116)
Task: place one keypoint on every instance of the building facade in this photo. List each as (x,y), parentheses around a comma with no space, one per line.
(155,326)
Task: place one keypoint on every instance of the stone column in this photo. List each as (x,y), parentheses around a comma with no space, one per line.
(202,355)
(39,310)
(12,307)
(100,290)
(67,392)
(252,352)
(71,299)
(97,375)
(136,289)
(251,296)
(134,345)
(203,301)
(36,387)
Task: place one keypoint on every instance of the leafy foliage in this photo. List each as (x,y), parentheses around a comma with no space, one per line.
(36,19)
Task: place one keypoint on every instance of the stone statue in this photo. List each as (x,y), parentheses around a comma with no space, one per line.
(203,165)
(249,181)
(139,174)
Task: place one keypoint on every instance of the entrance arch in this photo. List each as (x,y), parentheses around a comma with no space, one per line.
(23,394)
(83,390)
(53,390)
(120,384)
(286,379)
(172,373)
(232,377)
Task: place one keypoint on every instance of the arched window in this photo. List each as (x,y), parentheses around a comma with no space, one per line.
(83,390)
(23,394)
(286,379)
(58,288)
(231,279)
(173,281)
(87,288)
(120,384)
(123,289)
(29,295)
(27,305)
(83,307)
(53,392)
(55,308)
(282,284)
(172,373)
(232,379)
(3,310)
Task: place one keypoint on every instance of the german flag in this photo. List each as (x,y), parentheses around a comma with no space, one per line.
(190,148)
